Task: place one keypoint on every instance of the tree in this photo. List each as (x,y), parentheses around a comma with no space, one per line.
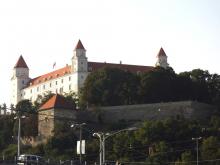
(62,145)
(186,158)
(29,123)
(109,87)
(199,85)
(184,87)
(210,149)
(158,85)
(214,89)
(6,133)
(25,107)
(72,98)
(215,122)
(160,155)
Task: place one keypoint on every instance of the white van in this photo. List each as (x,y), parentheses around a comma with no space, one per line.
(27,159)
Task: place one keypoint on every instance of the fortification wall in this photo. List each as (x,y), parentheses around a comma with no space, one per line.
(133,113)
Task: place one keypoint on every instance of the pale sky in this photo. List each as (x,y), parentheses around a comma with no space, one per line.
(131,31)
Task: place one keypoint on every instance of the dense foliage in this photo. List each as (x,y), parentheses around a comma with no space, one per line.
(112,86)
(6,133)
(157,142)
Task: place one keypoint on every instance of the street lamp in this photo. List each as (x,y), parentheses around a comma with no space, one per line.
(197,148)
(80,138)
(19,131)
(102,138)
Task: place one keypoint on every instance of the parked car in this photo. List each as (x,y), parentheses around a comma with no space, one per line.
(27,159)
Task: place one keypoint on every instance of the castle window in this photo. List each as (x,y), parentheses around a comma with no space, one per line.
(70,87)
(82,77)
(56,90)
(43,86)
(31,91)
(50,84)
(56,83)
(81,63)
(61,80)
(37,89)
(23,82)
(69,78)
(61,90)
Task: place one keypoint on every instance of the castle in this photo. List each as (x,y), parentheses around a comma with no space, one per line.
(69,78)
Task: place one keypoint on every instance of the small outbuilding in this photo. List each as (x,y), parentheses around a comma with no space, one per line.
(56,110)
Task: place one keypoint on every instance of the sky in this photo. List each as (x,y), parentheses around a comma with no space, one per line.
(131,31)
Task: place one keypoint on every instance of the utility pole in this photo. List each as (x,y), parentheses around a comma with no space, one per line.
(102,137)
(80,145)
(80,139)
(19,133)
(197,148)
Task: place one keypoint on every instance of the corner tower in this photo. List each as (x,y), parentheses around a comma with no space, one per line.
(19,80)
(79,66)
(161,59)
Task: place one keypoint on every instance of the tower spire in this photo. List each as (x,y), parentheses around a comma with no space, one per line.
(161,53)
(79,45)
(21,63)
(162,59)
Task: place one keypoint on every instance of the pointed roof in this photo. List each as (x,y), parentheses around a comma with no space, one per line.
(79,45)
(57,101)
(21,63)
(161,53)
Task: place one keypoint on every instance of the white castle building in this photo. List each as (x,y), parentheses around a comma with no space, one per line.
(69,78)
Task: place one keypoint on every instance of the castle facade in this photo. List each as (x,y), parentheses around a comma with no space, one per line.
(66,79)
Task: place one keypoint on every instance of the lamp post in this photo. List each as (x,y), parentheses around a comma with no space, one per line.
(102,138)
(80,138)
(19,132)
(197,148)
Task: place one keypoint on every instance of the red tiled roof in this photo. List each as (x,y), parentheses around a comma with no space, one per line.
(161,52)
(79,45)
(57,101)
(21,63)
(52,75)
(93,66)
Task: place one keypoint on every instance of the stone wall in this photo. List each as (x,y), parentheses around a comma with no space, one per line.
(46,123)
(133,113)
(47,119)
(130,113)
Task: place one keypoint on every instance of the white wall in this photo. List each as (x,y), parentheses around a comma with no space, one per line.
(60,85)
